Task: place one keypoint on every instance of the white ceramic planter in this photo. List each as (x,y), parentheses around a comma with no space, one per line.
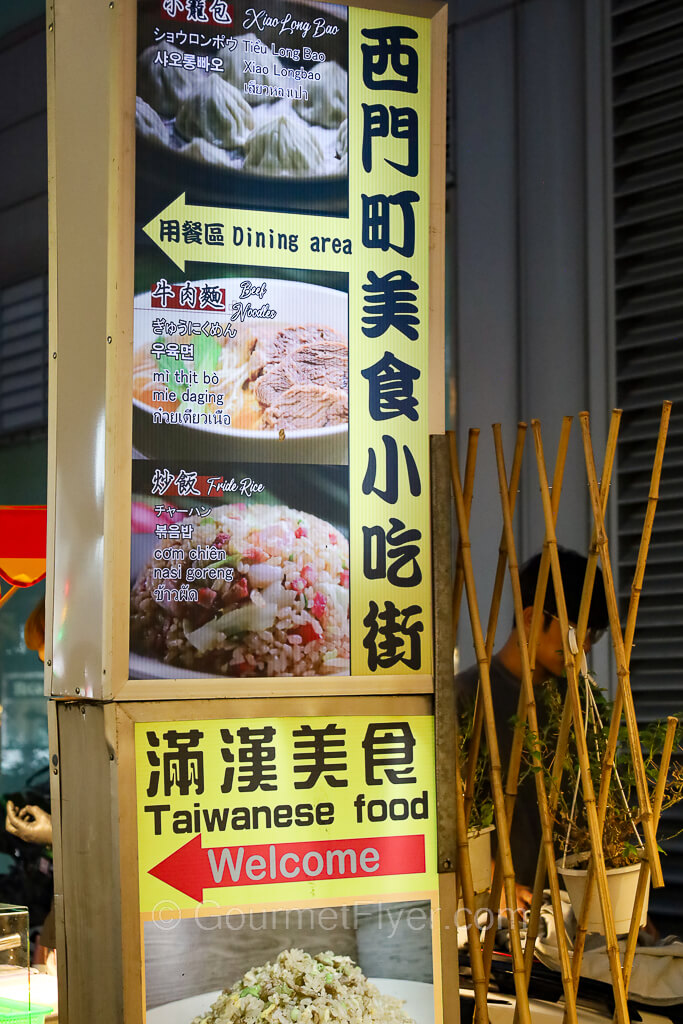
(479,843)
(621,884)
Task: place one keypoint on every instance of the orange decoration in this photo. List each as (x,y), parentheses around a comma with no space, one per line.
(23,534)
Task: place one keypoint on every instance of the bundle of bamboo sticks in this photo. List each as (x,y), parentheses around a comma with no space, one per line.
(504,793)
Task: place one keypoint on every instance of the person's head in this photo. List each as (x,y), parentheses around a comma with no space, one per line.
(549,654)
(34,630)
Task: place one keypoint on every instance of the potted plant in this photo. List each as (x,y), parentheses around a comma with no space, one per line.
(621,839)
(480,824)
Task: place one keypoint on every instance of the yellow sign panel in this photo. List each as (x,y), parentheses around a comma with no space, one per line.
(274,250)
(240,812)
(389,119)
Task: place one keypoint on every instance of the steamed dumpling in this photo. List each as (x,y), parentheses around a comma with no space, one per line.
(163,88)
(341,148)
(234,67)
(148,124)
(217,113)
(283,146)
(326,103)
(204,153)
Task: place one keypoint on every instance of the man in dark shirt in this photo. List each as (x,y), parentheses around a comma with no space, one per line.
(506,680)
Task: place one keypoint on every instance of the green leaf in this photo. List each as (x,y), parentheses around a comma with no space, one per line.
(171,365)
(207,356)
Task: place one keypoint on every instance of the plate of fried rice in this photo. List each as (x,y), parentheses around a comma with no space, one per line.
(251,590)
(300,988)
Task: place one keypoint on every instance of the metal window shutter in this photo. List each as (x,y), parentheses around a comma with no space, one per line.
(647,179)
(24,359)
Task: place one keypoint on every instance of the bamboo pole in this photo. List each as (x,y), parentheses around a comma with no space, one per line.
(644,876)
(466,887)
(622,663)
(458,582)
(565,723)
(518,738)
(613,736)
(588,791)
(646,536)
(473,753)
(499,581)
(468,492)
(494,610)
(489,720)
(528,688)
(479,978)
(544,567)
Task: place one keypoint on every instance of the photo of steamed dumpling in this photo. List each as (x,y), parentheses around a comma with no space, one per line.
(341,148)
(148,124)
(326,103)
(215,112)
(237,113)
(242,55)
(283,146)
(162,87)
(203,152)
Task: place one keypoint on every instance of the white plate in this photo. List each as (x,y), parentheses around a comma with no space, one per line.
(295,303)
(418,996)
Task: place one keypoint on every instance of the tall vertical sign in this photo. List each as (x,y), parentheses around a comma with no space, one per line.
(251,687)
(280,488)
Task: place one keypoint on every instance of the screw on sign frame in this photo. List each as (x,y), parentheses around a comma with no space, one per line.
(622,643)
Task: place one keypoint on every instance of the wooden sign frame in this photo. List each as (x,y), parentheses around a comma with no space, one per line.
(91,151)
(96,843)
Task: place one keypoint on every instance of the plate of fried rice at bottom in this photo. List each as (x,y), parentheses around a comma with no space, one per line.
(300,988)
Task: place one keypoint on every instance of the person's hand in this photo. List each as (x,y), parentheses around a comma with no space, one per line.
(524,897)
(30,823)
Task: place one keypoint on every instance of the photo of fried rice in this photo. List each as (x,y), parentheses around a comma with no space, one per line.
(305,989)
(252,590)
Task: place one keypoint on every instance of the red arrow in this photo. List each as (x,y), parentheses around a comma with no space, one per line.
(191,869)
(186,870)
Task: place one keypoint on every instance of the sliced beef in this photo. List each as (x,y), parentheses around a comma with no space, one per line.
(307,406)
(324,363)
(275,343)
(269,386)
(270,347)
(321,362)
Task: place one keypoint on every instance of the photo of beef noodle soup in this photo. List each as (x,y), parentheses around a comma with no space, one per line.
(270,377)
(273,369)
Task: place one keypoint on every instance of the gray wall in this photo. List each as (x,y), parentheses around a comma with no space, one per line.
(23,147)
(529,326)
